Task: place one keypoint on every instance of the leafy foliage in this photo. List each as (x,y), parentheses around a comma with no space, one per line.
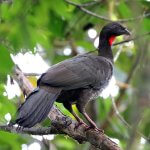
(56,25)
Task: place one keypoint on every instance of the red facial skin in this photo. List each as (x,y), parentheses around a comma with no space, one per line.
(111,39)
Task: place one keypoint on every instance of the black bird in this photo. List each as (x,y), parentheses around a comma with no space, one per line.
(73,81)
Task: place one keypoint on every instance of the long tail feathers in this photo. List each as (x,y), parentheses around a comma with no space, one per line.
(36,107)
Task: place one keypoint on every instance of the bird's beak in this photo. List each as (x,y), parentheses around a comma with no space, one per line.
(127,32)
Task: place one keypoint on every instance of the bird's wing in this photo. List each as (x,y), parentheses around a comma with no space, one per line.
(78,72)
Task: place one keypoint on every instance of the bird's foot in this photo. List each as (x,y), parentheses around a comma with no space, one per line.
(19,128)
(79,124)
(99,130)
(95,128)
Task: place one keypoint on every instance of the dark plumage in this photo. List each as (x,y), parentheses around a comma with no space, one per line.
(74,81)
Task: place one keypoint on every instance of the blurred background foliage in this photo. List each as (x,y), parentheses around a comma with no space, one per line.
(62,31)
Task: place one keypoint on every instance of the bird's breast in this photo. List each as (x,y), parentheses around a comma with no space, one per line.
(95,92)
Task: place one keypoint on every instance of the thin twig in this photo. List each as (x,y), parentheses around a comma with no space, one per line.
(125,122)
(132,39)
(91,3)
(123,85)
(128,40)
(87,11)
(118,53)
(123,90)
(80,6)
(32,74)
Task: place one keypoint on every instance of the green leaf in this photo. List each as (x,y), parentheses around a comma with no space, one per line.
(146,24)
(10,141)
(6,62)
(124,10)
(60,8)
(56,25)
(6,106)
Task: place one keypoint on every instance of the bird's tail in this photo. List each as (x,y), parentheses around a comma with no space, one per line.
(36,107)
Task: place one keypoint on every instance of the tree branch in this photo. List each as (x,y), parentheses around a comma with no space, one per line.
(81,7)
(33,131)
(132,39)
(32,74)
(62,124)
(125,122)
(90,3)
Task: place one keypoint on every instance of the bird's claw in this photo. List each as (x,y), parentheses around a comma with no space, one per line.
(95,128)
(19,128)
(79,124)
(99,130)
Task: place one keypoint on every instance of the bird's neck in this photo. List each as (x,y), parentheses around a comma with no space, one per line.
(104,49)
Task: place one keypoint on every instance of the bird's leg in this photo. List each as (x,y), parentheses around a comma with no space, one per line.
(68,106)
(91,122)
(80,121)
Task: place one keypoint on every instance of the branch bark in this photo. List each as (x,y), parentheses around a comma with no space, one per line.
(61,124)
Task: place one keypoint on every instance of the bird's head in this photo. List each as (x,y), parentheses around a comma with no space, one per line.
(111,30)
